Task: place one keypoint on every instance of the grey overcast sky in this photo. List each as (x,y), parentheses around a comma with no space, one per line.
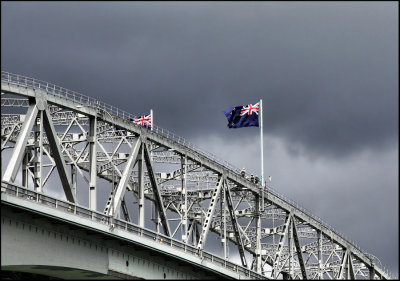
(327,73)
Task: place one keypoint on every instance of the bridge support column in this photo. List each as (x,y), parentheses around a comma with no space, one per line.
(320,261)
(25,171)
(184,199)
(141,186)
(38,151)
(223,225)
(155,216)
(350,268)
(290,245)
(73,180)
(285,276)
(258,235)
(92,139)
(347,266)
(372,273)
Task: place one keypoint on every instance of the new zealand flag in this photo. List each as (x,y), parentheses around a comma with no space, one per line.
(242,116)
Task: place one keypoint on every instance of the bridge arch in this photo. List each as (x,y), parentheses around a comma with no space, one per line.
(193,193)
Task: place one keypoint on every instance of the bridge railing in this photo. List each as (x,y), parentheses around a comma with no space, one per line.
(74,209)
(91,102)
(114,111)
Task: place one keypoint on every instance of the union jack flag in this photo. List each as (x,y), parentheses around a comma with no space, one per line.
(250,109)
(145,121)
(243,116)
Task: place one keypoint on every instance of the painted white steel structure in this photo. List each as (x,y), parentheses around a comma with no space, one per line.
(197,199)
(41,233)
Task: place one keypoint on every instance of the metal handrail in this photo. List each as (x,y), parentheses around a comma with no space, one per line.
(91,102)
(75,209)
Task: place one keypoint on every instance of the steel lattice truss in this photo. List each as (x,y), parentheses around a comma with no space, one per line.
(194,195)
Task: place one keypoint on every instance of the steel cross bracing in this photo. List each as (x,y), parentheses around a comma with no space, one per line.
(49,132)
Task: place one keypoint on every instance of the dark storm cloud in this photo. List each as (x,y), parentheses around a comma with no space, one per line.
(327,73)
(357,196)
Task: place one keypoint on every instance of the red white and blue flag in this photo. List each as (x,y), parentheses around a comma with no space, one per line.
(243,116)
(145,121)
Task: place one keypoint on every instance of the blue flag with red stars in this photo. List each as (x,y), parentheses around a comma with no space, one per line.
(243,116)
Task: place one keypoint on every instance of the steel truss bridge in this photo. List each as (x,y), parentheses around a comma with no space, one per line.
(156,181)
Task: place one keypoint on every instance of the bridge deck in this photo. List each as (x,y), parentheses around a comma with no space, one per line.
(128,234)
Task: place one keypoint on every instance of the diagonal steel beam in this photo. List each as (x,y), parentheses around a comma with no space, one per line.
(209,214)
(343,265)
(114,209)
(125,210)
(52,166)
(350,267)
(298,250)
(8,136)
(235,225)
(55,147)
(19,148)
(275,269)
(156,191)
(74,162)
(190,230)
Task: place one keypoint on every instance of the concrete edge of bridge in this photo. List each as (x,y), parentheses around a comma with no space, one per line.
(85,224)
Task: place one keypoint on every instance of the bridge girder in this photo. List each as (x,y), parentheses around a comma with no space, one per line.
(164,182)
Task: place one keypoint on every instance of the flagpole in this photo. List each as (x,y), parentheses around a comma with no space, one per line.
(262,155)
(260,203)
(155,214)
(152,119)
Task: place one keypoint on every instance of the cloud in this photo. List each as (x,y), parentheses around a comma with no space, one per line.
(356,195)
(327,74)
(337,62)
